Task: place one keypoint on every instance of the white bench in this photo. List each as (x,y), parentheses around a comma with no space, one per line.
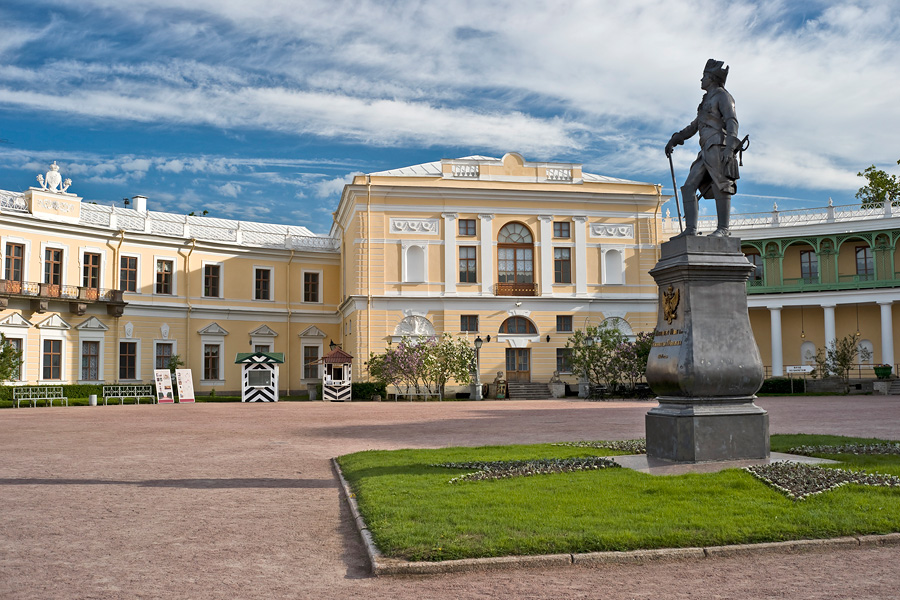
(34,393)
(121,392)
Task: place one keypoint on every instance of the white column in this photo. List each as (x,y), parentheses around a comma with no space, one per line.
(829,324)
(546,254)
(777,354)
(450,263)
(487,254)
(887,333)
(580,226)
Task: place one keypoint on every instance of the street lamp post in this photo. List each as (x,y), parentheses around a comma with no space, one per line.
(478,343)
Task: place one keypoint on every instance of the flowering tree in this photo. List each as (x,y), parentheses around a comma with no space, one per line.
(423,365)
(595,361)
(631,358)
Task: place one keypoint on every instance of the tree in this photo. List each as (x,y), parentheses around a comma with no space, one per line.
(839,357)
(880,187)
(632,357)
(10,360)
(448,358)
(596,360)
(174,362)
(423,365)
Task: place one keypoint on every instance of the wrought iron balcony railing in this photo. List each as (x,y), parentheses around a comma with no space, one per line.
(516,289)
(79,296)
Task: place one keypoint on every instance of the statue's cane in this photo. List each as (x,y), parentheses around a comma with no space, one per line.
(675,191)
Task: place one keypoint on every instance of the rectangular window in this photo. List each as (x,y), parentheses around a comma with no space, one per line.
(128,273)
(211,280)
(310,287)
(467,265)
(564,360)
(53,266)
(164,276)
(564,323)
(561,229)
(52,359)
(15,262)
(210,362)
(263,284)
(757,261)
(262,348)
(163,355)
(310,356)
(809,266)
(259,378)
(865,265)
(562,265)
(90,361)
(16,343)
(91,273)
(467,227)
(468,323)
(127,360)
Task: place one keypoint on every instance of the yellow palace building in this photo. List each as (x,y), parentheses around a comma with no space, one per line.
(519,253)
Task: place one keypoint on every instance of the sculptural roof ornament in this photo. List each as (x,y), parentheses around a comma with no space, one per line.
(53,181)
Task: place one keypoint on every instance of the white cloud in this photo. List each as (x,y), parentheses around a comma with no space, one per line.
(331,188)
(229,189)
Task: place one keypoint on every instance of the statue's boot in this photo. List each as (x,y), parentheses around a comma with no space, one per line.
(723,212)
(691,207)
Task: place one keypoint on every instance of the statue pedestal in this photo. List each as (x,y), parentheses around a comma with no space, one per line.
(704,365)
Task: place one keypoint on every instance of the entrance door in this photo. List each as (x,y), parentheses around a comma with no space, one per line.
(518,364)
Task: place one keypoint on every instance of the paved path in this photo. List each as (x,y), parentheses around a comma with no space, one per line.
(239,501)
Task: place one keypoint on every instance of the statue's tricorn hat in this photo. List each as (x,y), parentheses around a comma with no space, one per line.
(717,69)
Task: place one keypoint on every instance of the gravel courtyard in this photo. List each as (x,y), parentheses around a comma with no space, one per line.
(239,501)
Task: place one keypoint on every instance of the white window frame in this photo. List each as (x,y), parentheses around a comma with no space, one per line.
(174,262)
(137,359)
(212,340)
(63,279)
(212,263)
(82,250)
(321,348)
(319,291)
(137,280)
(271,271)
(171,341)
(91,336)
(27,258)
(53,335)
(23,337)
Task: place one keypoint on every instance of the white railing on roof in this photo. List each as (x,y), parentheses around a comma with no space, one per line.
(791,218)
(557,174)
(470,171)
(13,202)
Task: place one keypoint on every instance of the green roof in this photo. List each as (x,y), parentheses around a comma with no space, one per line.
(259,357)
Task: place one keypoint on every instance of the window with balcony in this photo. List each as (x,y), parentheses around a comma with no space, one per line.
(212,281)
(52,360)
(564,323)
(15,264)
(865,263)
(467,227)
(53,265)
(468,265)
(562,265)
(809,266)
(90,278)
(127,360)
(515,261)
(90,360)
(468,323)
(128,270)
(164,270)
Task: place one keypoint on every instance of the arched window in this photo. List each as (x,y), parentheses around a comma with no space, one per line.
(518,325)
(515,254)
(612,267)
(415,264)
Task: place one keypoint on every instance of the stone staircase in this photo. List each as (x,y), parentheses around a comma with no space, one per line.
(895,387)
(519,390)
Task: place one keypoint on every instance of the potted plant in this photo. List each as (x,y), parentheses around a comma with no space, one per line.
(882,371)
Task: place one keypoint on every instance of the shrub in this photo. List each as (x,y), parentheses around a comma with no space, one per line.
(364,390)
(782,385)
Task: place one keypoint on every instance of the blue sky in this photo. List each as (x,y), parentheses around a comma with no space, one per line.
(262,110)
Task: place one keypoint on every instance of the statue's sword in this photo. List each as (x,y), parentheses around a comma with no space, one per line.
(675,191)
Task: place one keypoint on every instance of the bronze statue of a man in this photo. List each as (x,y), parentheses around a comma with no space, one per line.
(716,169)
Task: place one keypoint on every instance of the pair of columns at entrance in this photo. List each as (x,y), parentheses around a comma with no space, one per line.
(887,335)
(486,241)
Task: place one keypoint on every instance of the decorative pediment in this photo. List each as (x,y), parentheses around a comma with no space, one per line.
(312,332)
(212,329)
(15,320)
(264,331)
(92,324)
(54,322)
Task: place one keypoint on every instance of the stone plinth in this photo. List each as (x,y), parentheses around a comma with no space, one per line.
(704,365)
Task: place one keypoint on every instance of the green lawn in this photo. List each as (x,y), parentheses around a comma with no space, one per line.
(414,513)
